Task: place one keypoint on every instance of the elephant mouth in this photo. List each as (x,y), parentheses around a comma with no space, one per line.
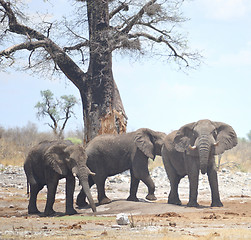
(203,169)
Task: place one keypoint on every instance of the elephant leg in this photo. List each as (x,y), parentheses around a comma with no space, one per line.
(193,192)
(51,192)
(34,190)
(213,181)
(133,188)
(193,176)
(173,197)
(100,182)
(174,179)
(151,188)
(81,198)
(140,170)
(69,189)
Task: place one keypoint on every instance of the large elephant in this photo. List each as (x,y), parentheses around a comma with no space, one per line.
(50,161)
(191,149)
(112,154)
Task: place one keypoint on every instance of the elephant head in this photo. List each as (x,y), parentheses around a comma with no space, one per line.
(64,158)
(149,142)
(204,139)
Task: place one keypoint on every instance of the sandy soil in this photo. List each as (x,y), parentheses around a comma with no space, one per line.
(148,220)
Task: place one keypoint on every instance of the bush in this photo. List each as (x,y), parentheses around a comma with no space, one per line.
(75,140)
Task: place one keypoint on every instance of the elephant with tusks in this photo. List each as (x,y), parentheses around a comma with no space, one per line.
(191,149)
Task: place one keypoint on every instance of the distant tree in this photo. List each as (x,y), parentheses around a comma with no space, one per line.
(81,47)
(58,110)
(249,136)
(1,131)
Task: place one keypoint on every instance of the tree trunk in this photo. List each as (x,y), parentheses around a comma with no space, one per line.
(103,110)
(102,105)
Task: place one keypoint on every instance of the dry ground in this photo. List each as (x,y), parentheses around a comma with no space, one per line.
(156,220)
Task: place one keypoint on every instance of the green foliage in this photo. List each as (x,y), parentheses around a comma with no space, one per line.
(75,140)
(48,106)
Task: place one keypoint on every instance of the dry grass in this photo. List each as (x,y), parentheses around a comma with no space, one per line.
(238,158)
(15,144)
(11,154)
(155,163)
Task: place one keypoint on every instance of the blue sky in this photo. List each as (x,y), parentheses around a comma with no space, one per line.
(154,94)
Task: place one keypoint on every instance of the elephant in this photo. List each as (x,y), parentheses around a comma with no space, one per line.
(46,164)
(109,155)
(191,149)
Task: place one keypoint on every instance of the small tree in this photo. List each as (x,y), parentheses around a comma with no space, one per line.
(249,136)
(58,110)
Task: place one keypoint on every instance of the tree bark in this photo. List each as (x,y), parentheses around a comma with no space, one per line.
(102,105)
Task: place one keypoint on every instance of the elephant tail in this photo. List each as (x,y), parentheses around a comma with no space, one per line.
(28,189)
(29,174)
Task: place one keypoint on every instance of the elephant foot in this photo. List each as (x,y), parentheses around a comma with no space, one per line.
(132,199)
(105,200)
(81,199)
(49,212)
(174,201)
(81,204)
(192,204)
(217,204)
(33,211)
(71,212)
(151,197)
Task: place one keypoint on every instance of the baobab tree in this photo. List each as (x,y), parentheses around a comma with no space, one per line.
(98,29)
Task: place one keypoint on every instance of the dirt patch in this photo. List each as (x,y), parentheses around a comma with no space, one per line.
(162,220)
(148,220)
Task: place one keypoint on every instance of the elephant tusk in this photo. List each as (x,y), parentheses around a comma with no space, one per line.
(74,174)
(92,173)
(192,147)
(216,143)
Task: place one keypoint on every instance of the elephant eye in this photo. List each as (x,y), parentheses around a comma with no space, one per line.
(214,133)
(195,134)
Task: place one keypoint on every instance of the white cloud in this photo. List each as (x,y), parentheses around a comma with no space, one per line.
(227,9)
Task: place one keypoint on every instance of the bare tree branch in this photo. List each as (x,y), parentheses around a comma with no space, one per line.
(136,17)
(30,57)
(77,46)
(65,63)
(159,40)
(27,45)
(124,6)
(49,29)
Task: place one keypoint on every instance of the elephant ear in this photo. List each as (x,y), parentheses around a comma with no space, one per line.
(226,137)
(55,157)
(183,137)
(143,140)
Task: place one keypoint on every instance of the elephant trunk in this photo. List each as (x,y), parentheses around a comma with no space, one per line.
(85,185)
(204,146)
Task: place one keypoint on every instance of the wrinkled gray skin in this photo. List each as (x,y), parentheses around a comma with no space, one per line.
(46,164)
(112,154)
(190,150)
